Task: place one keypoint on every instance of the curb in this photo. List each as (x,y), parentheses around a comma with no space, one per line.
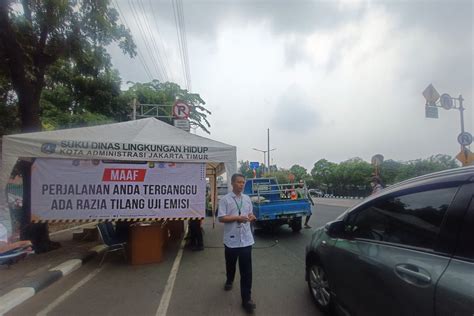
(17,296)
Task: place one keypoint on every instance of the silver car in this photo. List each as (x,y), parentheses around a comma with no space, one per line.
(408,250)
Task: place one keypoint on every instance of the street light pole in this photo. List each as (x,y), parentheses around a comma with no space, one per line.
(268,149)
(461,111)
(265,155)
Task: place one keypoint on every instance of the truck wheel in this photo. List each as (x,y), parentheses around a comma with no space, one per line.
(295,224)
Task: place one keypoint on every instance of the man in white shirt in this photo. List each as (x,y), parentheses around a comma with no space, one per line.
(235,211)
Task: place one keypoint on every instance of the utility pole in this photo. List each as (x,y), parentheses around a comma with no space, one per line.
(134,108)
(268,149)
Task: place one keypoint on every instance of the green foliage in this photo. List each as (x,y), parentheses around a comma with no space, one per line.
(55,50)
(300,173)
(9,121)
(244,168)
(420,167)
(352,177)
(323,173)
(71,99)
(282,175)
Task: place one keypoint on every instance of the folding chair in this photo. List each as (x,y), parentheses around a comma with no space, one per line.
(108,237)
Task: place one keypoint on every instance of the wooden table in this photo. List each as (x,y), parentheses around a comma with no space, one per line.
(146,243)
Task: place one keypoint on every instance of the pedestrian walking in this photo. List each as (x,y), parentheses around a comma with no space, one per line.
(302,193)
(235,211)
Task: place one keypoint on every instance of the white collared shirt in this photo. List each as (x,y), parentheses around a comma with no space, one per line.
(236,235)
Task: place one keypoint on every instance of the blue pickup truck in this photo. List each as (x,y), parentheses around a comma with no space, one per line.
(278,204)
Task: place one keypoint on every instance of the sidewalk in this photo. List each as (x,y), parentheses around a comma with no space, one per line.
(35,271)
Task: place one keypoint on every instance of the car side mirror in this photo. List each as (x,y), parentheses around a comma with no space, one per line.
(335,229)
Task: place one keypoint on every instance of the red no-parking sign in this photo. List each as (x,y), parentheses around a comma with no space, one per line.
(181,110)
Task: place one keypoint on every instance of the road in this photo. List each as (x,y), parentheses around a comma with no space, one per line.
(118,288)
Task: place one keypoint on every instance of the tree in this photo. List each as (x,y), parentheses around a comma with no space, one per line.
(323,173)
(389,171)
(299,172)
(8,112)
(282,175)
(245,169)
(72,98)
(167,93)
(41,33)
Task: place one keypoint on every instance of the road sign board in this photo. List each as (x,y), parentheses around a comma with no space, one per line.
(431,112)
(254,165)
(182,124)
(466,157)
(465,139)
(430,94)
(446,101)
(181,110)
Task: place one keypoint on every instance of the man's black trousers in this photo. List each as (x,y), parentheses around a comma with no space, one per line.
(244,255)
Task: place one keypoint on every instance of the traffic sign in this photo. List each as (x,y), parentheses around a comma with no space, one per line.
(431,112)
(465,139)
(377,160)
(446,101)
(182,124)
(466,157)
(254,165)
(181,109)
(430,94)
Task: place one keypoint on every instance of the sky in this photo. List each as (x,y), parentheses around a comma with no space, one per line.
(330,79)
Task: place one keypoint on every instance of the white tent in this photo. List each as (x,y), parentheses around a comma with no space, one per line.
(141,140)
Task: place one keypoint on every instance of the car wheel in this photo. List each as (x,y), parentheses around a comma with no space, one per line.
(318,284)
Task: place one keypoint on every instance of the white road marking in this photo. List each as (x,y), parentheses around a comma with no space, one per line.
(68,266)
(14,298)
(69,292)
(166,297)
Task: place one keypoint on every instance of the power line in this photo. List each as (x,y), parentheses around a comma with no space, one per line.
(185,42)
(180,45)
(123,20)
(150,54)
(163,48)
(156,51)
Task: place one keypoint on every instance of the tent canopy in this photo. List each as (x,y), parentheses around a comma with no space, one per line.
(140,140)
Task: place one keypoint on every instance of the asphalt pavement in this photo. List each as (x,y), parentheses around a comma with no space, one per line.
(118,288)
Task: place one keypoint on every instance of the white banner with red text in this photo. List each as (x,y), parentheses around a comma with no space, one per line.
(88,190)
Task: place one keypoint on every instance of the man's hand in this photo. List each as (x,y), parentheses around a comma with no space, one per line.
(242,219)
(252,218)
